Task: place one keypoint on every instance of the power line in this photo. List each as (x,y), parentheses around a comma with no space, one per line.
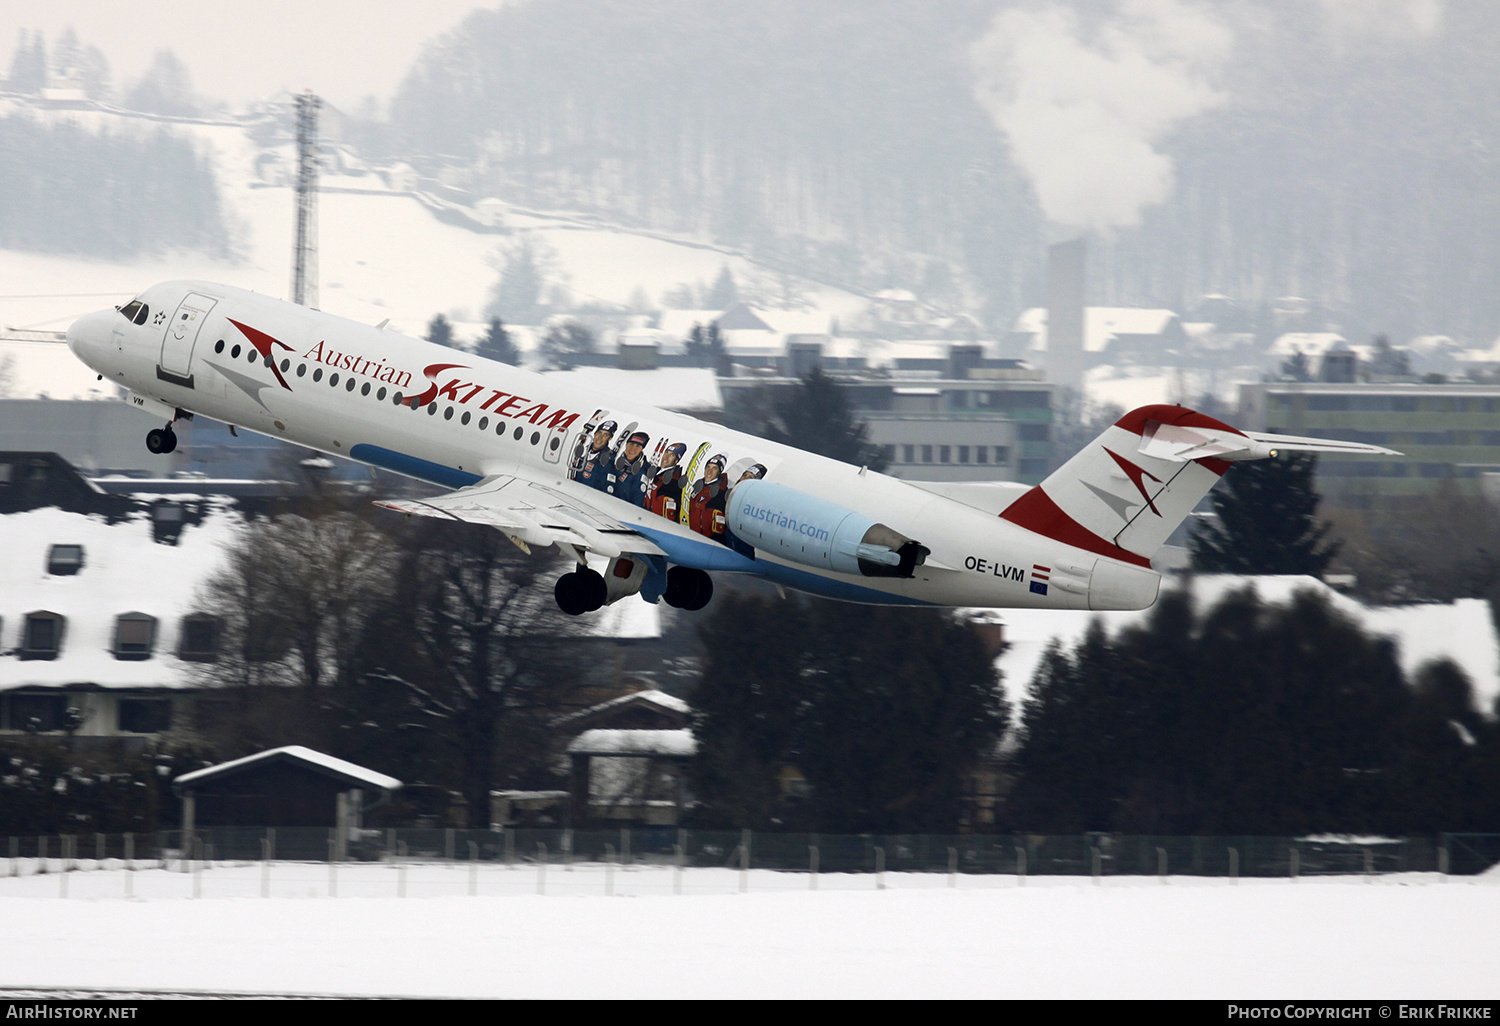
(72,295)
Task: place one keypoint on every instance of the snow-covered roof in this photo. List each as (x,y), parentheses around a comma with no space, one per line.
(634,742)
(679,323)
(124,571)
(650,696)
(797,322)
(1309,343)
(686,389)
(1459,630)
(1101,325)
(297,753)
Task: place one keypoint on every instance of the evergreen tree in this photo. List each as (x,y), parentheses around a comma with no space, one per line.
(67,53)
(1248,719)
(496,344)
(1267,521)
(94,71)
(440,330)
(564,343)
(715,354)
(166,88)
(28,66)
(724,293)
(697,349)
(884,712)
(517,295)
(816,417)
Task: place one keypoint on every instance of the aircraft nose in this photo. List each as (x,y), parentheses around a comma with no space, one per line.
(88,335)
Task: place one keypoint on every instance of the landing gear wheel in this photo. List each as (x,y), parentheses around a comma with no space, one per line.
(579,592)
(595,588)
(569,594)
(161,440)
(688,588)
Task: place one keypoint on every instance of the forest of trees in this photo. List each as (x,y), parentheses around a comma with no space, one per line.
(1250,718)
(64,189)
(845,139)
(111,194)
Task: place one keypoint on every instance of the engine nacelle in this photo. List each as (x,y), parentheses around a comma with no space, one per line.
(793,525)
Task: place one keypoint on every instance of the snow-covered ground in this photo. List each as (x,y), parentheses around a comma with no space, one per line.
(1408,936)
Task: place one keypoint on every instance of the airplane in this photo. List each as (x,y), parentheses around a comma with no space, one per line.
(659,501)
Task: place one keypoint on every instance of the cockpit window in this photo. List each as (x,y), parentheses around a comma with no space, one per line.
(142,314)
(130,309)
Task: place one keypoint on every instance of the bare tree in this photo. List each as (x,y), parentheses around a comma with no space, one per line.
(478,648)
(294,597)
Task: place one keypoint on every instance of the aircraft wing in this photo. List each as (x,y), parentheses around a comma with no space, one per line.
(531,513)
(1179,444)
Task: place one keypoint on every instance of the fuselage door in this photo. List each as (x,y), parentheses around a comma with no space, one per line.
(557,441)
(181,336)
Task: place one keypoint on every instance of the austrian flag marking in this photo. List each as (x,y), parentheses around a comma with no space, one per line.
(1040,575)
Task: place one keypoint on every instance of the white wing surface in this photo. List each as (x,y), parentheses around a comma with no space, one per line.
(530,513)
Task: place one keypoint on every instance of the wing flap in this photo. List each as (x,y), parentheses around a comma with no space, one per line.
(532,513)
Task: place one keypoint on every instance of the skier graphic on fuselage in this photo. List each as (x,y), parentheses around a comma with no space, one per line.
(706,505)
(663,493)
(592,466)
(625,479)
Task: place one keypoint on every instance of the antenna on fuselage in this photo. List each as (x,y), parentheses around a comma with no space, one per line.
(305,249)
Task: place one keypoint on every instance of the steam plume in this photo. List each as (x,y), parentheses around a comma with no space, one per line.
(1084,105)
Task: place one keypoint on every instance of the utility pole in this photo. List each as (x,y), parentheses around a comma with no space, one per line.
(305,250)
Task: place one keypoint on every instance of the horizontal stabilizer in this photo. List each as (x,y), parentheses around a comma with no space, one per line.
(1177,443)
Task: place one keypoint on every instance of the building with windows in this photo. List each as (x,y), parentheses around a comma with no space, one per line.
(102,635)
(947,418)
(1449,435)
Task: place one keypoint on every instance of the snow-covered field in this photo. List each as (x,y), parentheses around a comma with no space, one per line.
(1406,936)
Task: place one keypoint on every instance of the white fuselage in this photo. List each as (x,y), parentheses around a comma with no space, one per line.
(333,385)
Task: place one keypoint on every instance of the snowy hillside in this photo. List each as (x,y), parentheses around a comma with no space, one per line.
(382,252)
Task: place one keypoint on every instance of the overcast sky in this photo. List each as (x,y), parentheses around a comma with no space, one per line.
(238,50)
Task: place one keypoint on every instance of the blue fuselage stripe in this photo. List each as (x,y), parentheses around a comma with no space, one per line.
(707,555)
(411,466)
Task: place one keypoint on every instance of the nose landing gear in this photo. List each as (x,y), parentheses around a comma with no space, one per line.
(161,440)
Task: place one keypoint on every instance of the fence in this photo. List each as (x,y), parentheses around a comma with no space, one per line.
(1024,855)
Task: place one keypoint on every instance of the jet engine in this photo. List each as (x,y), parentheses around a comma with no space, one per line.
(784,522)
